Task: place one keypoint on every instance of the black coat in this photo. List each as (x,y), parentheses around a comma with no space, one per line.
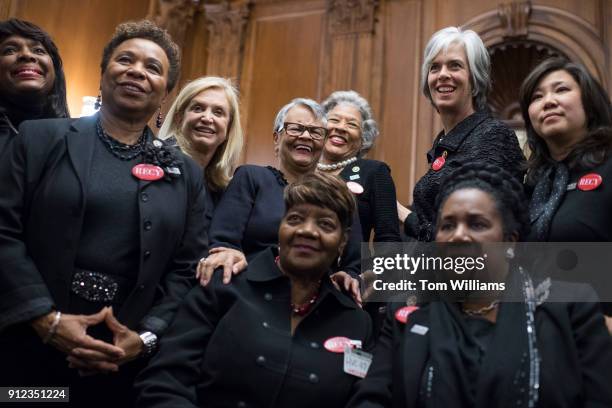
(231,346)
(7,133)
(573,344)
(251,209)
(377,204)
(478,137)
(43,195)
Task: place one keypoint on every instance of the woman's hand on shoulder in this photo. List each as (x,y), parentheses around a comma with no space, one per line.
(232,261)
(609,324)
(345,282)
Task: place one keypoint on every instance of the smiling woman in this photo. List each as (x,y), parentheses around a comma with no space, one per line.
(247,218)
(282,325)
(204,120)
(98,292)
(32,84)
(455,77)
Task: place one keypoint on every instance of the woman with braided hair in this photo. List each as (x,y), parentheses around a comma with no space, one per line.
(506,353)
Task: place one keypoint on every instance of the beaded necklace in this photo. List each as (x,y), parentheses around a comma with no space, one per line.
(304,308)
(336,166)
(120,150)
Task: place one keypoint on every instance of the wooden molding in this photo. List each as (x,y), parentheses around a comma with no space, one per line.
(351,16)
(174,15)
(514,18)
(226,23)
(556,28)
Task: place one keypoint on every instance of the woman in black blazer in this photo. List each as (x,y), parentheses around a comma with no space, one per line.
(97,213)
(455,77)
(352,132)
(276,336)
(32,83)
(478,353)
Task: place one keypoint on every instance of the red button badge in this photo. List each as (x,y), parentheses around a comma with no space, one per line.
(402,314)
(589,182)
(147,172)
(337,344)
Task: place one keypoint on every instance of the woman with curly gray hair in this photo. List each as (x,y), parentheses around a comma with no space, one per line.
(352,132)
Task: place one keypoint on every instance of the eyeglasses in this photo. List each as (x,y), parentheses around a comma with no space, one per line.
(297,129)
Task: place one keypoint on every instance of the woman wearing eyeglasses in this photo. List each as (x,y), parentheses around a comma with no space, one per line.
(247,218)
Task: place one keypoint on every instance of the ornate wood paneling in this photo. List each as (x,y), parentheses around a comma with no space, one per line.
(282,61)
(226,23)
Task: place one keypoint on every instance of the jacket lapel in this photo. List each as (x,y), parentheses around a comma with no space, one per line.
(80,145)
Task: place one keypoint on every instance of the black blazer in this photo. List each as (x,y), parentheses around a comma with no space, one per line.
(377,204)
(231,346)
(574,346)
(43,195)
(477,138)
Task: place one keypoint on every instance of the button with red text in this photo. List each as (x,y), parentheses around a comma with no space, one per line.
(337,344)
(438,163)
(147,172)
(402,314)
(589,182)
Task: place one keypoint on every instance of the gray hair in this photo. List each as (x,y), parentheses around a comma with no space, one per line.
(369,127)
(477,56)
(311,105)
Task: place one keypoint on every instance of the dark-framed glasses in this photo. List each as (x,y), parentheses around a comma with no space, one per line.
(297,129)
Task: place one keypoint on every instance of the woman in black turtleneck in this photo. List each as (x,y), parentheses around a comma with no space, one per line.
(32,83)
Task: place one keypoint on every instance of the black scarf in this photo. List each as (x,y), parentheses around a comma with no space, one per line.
(547,196)
(459,375)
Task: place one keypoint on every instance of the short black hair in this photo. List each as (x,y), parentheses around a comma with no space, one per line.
(507,193)
(56,106)
(147,30)
(323,190)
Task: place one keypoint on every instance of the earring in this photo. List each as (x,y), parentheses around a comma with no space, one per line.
(510,253)
(98,102)
(160,119)
(339,260)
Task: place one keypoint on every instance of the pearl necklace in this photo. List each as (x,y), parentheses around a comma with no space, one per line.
(336,166)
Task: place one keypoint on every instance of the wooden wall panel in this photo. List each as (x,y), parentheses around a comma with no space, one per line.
(80,30)
(403,140)
(282,61)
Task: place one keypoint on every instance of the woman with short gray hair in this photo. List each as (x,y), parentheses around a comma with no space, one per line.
(247,217)
(455,77)
(352,132)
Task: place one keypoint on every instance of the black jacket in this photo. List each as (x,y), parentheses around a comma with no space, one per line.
(478,137)
(43,195)
(7,133)
(231,346)
(573,344)
(251,209)
(377,204)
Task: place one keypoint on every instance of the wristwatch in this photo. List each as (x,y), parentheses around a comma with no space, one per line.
(149,341)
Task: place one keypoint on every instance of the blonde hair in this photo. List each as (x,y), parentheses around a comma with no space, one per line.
(225,159)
